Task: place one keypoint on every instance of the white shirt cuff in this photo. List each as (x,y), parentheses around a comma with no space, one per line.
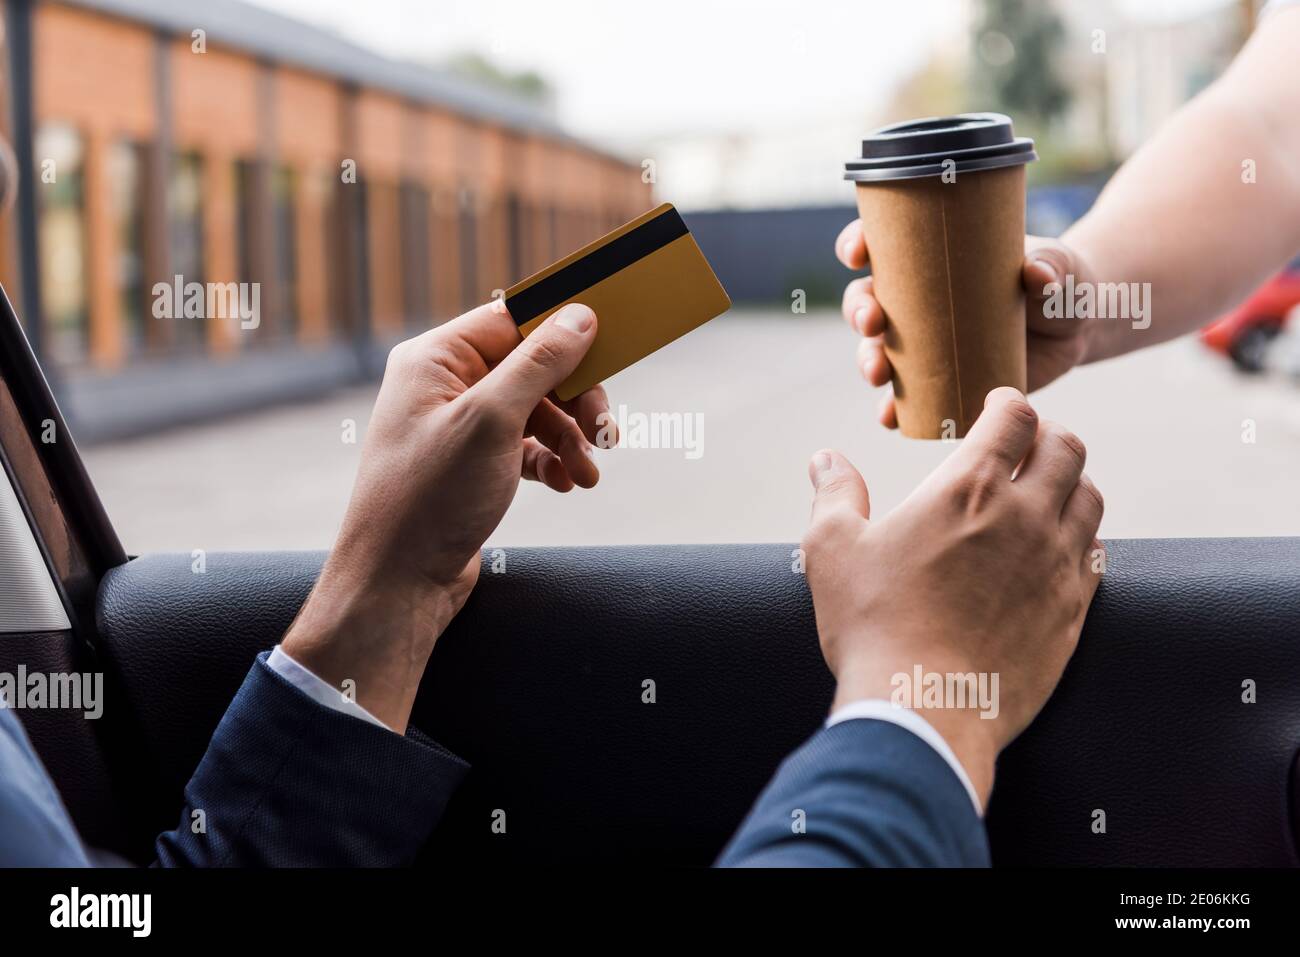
(879,709)
(319,690)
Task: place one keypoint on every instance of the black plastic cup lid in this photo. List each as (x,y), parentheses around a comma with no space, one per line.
(916,148)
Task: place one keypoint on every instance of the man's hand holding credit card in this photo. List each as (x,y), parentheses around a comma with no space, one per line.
(647,282)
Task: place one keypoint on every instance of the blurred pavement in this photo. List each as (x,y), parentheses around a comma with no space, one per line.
(1163,429)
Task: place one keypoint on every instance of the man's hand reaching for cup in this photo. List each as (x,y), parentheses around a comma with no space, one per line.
(1054,346)
(987,568)
(465,411)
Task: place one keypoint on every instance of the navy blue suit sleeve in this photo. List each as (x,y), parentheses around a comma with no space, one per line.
(288,782)
(862,793)
(35,830)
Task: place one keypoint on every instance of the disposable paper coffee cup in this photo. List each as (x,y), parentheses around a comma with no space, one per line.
(942,203)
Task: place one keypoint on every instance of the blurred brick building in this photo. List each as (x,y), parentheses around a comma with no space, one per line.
(221,142)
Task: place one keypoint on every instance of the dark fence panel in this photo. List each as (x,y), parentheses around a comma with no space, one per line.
(763,255)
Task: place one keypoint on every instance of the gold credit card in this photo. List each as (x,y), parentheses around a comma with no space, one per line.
(647,282)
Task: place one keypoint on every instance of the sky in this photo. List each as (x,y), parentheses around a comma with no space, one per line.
(623,68)
(718,92)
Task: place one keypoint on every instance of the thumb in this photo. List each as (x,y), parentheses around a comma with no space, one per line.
(840,490)
(542,361)
(1046,261)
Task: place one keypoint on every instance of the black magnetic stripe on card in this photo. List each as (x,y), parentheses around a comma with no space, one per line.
(615,255)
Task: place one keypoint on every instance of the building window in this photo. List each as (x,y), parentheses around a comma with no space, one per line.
(60,158)
(416,287)
(266,245)
(339,261)
(515,237)
(185,236)
(285,307)
(468,250)
(245,242)
(126,163)
(248,251)
(359,261)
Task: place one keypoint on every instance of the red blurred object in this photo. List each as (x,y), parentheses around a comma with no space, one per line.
(1244,334)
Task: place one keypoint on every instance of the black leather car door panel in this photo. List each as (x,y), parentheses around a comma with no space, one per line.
(541,684)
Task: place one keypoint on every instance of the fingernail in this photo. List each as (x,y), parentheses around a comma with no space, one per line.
(574,317)
(868,360)
(1048,268)
(860,319)
(821,464)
